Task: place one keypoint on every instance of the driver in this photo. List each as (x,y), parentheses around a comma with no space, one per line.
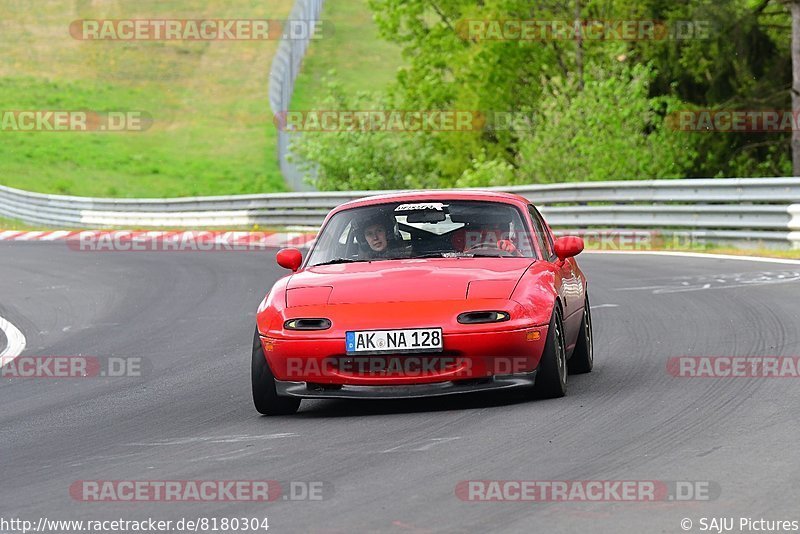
(379,237)
(375,236)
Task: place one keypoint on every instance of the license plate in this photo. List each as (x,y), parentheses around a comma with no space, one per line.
(380,341)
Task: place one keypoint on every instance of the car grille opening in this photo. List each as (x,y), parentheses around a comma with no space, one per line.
(307,324)
(483,317)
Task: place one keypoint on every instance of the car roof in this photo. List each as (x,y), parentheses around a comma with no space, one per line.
(428,194)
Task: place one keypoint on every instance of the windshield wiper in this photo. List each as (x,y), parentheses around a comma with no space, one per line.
(337,261)
(441,255)
(462,255)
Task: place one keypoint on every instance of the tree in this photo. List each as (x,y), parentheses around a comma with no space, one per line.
(565,84)
(609,130)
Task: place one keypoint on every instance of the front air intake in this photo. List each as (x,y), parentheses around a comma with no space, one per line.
(483,317)
(307,324)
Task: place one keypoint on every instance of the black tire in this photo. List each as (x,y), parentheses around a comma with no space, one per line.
(582,359)
(265,398)
(551,376)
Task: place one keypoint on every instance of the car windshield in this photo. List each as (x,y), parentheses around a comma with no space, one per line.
(423,229)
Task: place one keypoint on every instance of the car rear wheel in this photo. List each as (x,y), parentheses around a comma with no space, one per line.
(265,397)
(551,376)
(582,359)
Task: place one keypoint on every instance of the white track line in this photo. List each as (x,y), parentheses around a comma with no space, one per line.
(698,255)
(16,341)
(29,236)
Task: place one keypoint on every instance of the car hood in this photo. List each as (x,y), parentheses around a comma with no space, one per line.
(406,281)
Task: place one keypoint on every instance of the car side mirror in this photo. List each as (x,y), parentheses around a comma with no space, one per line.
(289,258)
(568,247)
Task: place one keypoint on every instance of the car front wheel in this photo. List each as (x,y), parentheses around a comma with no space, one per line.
(265,397)
(582,359)
(551,376)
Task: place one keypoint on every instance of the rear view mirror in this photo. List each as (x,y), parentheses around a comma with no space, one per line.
(427,216)
(568,247)
(290,258)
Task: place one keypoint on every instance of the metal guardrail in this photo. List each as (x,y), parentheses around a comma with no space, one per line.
(738,209)
(282,77)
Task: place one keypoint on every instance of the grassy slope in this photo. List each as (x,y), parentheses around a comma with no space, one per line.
(360,59)
(212,134)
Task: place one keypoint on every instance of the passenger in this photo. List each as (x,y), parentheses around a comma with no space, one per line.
(507,245)
(495,236)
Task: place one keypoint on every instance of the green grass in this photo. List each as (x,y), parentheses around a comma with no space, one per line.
(791,254)
(212,130)
(362,61)
(13,224)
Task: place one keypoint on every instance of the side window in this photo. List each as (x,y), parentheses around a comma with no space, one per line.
(346,233)
(543,237)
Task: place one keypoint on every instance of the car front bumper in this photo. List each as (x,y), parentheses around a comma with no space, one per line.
(476,359)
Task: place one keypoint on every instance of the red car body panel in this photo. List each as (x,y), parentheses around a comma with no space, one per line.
(421,293)
(414,279)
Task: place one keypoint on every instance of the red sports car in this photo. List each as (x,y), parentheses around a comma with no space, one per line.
(423,294)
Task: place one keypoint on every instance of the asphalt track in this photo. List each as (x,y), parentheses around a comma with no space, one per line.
(394,465)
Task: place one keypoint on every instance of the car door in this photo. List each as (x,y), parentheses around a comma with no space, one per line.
(569,282)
